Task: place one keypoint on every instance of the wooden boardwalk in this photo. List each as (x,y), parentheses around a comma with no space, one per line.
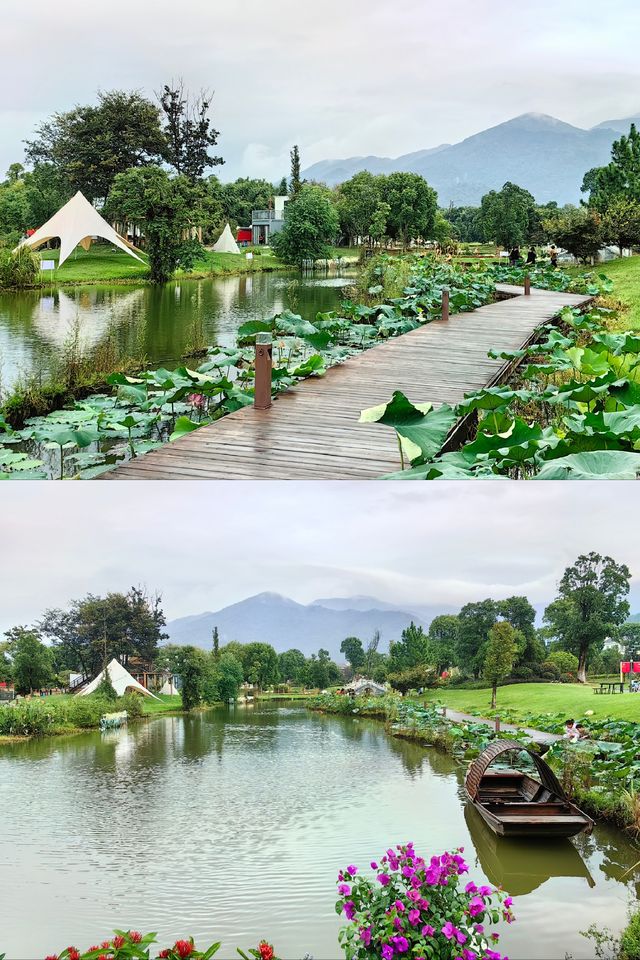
(312,431)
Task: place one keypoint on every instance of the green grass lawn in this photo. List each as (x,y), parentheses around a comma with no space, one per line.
(164,703)
(570,699)
(625,274)
(102,262)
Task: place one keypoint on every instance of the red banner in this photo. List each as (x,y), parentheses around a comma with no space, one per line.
(625,667)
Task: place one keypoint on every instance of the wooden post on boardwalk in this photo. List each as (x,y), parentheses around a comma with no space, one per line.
(445,303)
(527,285)
(497,724)
(262,387)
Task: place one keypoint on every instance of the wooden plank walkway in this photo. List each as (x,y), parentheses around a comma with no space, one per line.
(312,431)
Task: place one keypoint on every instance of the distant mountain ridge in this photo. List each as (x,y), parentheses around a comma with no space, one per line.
(545,155)
(272,618)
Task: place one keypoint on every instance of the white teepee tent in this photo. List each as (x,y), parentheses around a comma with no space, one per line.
(226,243)
(121,681)
(77,223)
(169,688)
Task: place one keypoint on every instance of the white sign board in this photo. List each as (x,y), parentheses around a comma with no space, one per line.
(47,264)
(249,256)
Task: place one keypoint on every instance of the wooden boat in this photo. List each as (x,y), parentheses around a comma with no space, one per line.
(515,804)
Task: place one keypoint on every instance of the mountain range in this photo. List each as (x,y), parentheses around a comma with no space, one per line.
(274,619)
(284,623)
(545,155)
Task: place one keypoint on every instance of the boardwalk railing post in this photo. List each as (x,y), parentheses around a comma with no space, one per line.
(497,724)
(445,303)
(262,387)
(527,286)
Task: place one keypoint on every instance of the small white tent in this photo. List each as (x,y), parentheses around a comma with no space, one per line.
(226,243)
(121,681)
(78,222)
(169,688)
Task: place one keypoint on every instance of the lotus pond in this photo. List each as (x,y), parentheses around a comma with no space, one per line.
(231,825)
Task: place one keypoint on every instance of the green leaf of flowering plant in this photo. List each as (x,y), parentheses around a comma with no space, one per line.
(597,465)
(183,426)
(421,428)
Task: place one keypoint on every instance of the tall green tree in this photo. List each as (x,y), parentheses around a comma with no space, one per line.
(499,655)
(522,616)
(413,205)
(188,130)
(590,606)
(322,671)
(166,209)
(371,655)
(358,201)
(619,179)
(579,231)
(475,620)
(292,665)
(32,660)
(621,223)
(412,650)
(628,636)
(193,667)
(95,629)
(260,662)
(443,641)
(90,145)
(508,216)
(239,199)
(224,679)
(295,183)
(310,228)
(354,653)
(215,643)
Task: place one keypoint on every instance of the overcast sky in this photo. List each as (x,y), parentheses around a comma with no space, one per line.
(339,78)
(205,545)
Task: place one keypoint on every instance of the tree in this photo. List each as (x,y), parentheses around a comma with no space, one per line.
(322,672)
(621,223)
(215,638)
(443,641)
(508,216)
(628,635)
(295,182)
(224,679)
(358,203)
(475,620)
(194,669)
(590,606)
(522,616)
(412,650)
(105,689)
(32,661)
(371,655)
(619,179)
(310,227)
(579,232)
(412,206)
(90,145)
(239,199)
(379,221)
(412,679)
(292,666)
(467,223)
(260,663)
(498,657)
(282,188)
(166,209)
(354,652)
(94,630)
(188,130)
(565,662)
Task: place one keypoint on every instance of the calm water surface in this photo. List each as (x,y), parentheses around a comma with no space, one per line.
(232,825)
(158,322)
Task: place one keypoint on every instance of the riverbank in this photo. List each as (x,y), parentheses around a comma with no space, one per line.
(63,715)
(588,780)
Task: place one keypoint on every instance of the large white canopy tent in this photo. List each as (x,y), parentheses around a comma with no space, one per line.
(121,681)
(78,222)
(226,242)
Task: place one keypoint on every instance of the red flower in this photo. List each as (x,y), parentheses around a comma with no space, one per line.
(51,957)
(134,936)
(118,942)
(105,944)
(184,948)
(266,950)
(74,953)
(103,956)
(163,954)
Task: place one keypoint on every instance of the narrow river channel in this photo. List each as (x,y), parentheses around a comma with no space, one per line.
(232,824)
(157,322)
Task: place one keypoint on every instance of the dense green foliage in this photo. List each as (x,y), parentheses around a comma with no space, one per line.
(508,216)
(500,652)
(310,229)
(49,715)
(619,179)
(32,662)
(20,268)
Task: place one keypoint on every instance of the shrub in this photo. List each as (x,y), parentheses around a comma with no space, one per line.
(19,269)
(418,908)
(630,939)
(550,670)
(564,661)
